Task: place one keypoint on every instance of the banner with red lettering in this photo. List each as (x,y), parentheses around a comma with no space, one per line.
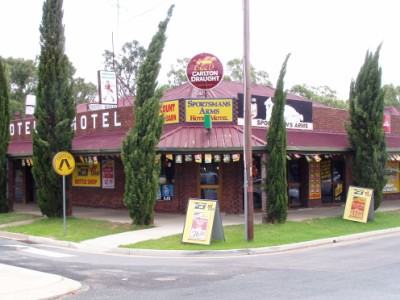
(108,174)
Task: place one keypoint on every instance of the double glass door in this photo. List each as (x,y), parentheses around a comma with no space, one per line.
(209,181)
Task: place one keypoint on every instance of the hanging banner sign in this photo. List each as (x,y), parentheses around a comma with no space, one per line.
(358,204)
(203,222)
(204,71)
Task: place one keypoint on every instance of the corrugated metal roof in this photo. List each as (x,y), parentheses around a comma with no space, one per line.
(197,138)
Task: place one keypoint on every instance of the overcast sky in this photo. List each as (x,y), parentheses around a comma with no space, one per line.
(327,40)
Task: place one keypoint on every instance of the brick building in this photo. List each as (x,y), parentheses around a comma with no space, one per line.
(201,150)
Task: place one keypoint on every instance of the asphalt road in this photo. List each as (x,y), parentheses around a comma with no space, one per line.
(362,269)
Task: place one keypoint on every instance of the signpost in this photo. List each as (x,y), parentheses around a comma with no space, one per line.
(63,164)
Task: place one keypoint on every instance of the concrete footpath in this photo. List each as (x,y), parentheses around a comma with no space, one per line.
(19,283)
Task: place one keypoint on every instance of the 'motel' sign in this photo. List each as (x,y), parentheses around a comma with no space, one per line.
(204,71)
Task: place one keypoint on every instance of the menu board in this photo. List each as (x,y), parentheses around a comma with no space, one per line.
(358,204)
(315,180)
(203,222)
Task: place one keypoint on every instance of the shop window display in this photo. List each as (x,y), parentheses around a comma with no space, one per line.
(167,178)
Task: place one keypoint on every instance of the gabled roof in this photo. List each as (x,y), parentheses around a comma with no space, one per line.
(226,89)
(391,110)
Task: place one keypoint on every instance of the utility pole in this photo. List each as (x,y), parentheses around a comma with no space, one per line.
(248,174)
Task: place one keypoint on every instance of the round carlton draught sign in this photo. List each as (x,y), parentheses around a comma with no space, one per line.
(204,71)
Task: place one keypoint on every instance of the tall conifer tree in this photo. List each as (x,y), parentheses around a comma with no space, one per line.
(4,135)
(139,145)
(54,110)
(276,187)
(365,132)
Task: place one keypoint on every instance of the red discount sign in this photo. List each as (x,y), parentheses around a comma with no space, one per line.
(204,71)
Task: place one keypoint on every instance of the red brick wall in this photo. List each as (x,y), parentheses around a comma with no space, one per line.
(395,125)
(186,186)
(97,196)
(231,201)
(329,119)
(87,123)
(104,121)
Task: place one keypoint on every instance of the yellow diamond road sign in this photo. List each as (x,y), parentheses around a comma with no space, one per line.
(63,163)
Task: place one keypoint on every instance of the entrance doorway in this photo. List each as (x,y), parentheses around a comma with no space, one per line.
(294,183)
(332,181)
(210,181)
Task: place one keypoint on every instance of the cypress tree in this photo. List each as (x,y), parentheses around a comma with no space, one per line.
(365,132)
(276,181)
(54,110)
(4,135)
(139,145)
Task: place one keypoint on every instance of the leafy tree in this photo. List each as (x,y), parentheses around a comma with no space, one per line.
(392,95)
(4,135)
(139,145)
(321,94)
(177,74)
(55,108)
(126,66)
(365,132)
(16,107)
(23,77)
(235,73)
(83,92)
(276,187)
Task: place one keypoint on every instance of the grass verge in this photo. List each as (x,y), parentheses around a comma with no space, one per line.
(77,230)
(15,217)
(266,235)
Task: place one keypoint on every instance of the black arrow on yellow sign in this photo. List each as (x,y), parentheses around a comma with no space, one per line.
(64,160)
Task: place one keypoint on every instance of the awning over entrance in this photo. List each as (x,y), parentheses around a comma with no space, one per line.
(20,148)
(190,138)
(98,143)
